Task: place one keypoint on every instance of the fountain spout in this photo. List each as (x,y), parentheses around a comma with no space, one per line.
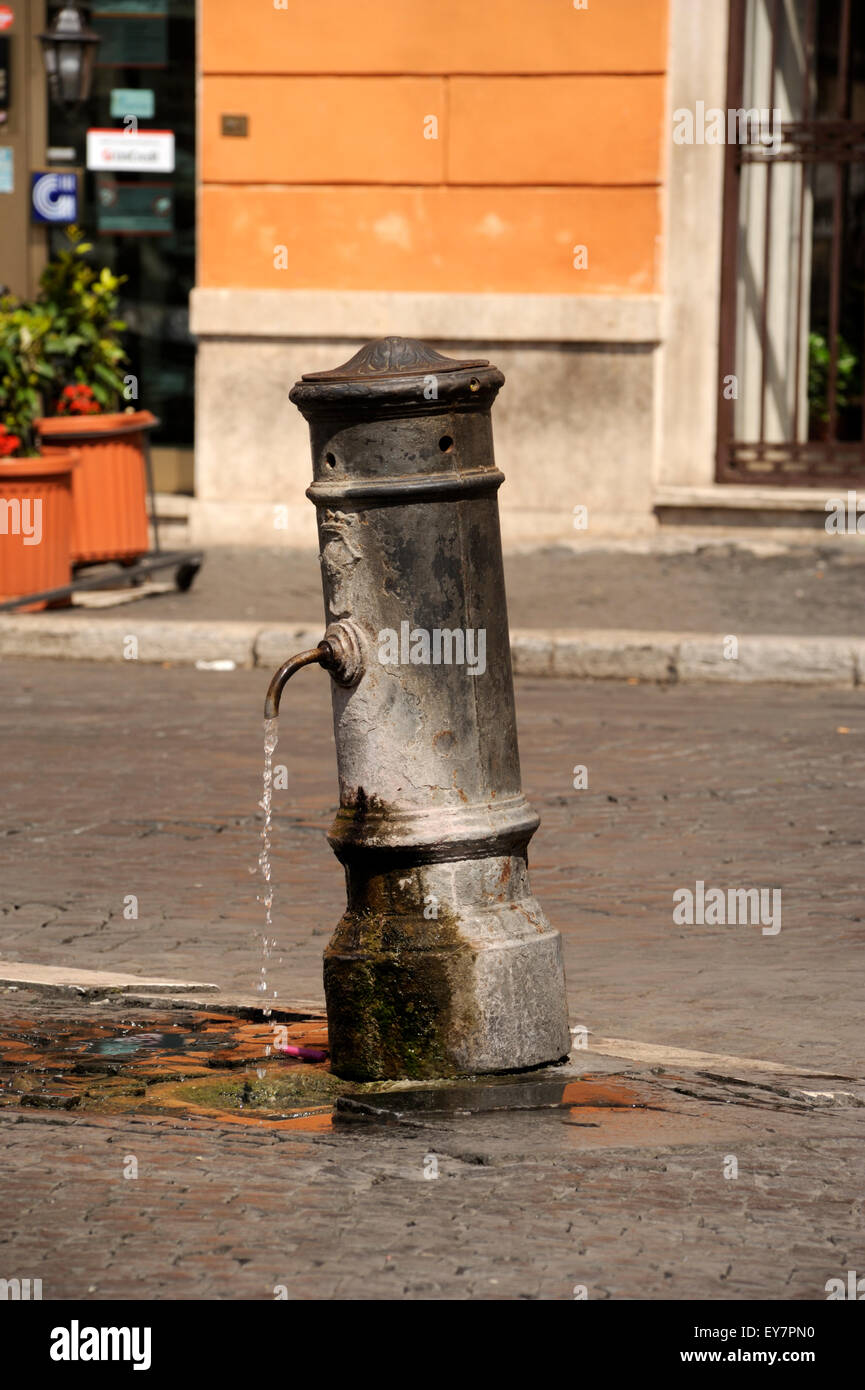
(280,679)
(340,652)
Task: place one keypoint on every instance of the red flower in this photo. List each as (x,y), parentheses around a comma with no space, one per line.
(77,400)
(8,442)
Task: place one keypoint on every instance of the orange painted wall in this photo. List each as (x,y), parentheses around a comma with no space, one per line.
(549,136)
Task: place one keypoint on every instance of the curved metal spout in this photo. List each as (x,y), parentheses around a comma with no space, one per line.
(281,677)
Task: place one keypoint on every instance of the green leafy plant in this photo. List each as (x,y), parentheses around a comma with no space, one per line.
(846,375)
(69,336)
(25,374)
(83,346)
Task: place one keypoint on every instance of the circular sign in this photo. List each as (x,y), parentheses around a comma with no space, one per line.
(7,16)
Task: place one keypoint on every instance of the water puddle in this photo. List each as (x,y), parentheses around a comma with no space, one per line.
(131,1043)
(196,1064)
(533,1091)
(231,1070)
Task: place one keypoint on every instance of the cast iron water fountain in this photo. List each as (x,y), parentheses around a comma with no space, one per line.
(443,963)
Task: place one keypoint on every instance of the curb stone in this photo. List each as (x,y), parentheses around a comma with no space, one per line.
(795,660)
(586,654)
(104,639)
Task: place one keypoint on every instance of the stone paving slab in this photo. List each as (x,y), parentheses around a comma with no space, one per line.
(65,979)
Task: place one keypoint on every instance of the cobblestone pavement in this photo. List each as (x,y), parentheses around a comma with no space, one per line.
(522,1208)
(814,589)
(138,780)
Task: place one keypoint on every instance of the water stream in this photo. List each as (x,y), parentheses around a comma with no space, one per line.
(271,738)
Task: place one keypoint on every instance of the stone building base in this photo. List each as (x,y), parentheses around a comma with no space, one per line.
(574,425)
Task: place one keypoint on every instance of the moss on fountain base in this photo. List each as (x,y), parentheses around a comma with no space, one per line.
(398,999)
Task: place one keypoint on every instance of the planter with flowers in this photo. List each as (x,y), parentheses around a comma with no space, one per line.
(109,486)
(35,490)
(86,359)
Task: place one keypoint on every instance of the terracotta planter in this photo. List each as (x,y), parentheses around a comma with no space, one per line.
(109,490)
(36,498)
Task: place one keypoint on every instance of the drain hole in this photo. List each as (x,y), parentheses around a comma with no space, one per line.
(446,444)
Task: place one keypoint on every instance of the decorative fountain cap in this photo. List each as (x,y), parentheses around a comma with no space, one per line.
(397,376)
(383,357)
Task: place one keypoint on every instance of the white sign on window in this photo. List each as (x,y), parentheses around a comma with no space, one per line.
(140,151)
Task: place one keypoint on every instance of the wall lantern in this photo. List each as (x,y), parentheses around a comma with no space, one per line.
(69,52)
